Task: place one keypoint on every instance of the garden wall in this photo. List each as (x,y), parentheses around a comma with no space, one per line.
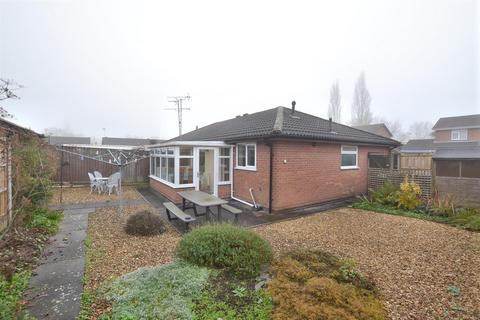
(465,191)
(378,176)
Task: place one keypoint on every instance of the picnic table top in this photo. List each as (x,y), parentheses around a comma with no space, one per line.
(202,198)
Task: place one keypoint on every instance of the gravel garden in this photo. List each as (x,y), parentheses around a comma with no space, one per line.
(342,264)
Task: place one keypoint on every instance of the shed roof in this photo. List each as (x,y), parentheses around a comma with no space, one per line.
(281,122)
(470,121)
(59,140)
(376,128)
(111,141)
(443,150)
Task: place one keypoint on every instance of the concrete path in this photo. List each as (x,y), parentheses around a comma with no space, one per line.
(56,285)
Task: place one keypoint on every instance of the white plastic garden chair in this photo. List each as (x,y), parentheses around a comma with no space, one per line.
(94,183)
(113,182)
(97,174)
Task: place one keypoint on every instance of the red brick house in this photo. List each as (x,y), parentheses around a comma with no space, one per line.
(278,158)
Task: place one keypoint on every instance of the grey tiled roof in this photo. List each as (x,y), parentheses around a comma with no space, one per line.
(376,128)
(458,122)
(280,122)
(418,145)
(443,150)
(59,140)
(111,141)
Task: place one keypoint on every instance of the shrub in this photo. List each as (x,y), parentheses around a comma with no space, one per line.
(306,285)
(163,292)
(43,218)
(225,246)
(442,205)
(409,195)
(145,223)
(11,292)
(467,218)
(387,194)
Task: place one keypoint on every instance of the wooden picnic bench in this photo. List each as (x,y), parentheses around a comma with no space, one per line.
(178,213)
(232,210)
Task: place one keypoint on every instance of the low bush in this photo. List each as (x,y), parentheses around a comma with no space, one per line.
(164,292)
(409,195)
(11,292)
(317,285)
(387,194)
(145,223)
(467,219)
(227,247)
(229,298)
(43,218)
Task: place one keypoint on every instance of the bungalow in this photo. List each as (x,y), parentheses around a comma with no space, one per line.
(278,158)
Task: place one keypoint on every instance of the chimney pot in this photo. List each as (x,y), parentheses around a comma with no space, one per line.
(330,123)
(293,106)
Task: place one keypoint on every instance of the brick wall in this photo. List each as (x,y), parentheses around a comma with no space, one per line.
(258,180)
(309,173)
(465,191)
(224,191)
(446,135)
(169,192)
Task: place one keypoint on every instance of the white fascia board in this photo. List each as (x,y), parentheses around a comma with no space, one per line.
(191,143)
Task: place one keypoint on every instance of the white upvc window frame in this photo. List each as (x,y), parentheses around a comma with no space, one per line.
(157,153)
(342,152)
(220,157)
(457,134)
(246,166)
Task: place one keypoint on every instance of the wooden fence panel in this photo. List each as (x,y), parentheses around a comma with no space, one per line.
(378,176)
(75,169)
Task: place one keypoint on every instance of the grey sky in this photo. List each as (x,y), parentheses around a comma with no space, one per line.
(87,65)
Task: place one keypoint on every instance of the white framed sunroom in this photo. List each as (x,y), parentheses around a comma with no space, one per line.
(203,165)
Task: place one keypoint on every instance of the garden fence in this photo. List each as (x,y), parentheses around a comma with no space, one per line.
(378,176)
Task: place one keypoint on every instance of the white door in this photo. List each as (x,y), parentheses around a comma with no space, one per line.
(206,171)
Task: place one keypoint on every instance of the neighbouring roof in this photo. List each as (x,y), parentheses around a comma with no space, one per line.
(443,150)
(59,140)
(111,141)
(280,122)
(471,121)
(12,126)
(376,128)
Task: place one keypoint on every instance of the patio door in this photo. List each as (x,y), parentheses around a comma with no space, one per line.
(206,170)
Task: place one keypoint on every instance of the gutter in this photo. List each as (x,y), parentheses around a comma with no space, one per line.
(270,184)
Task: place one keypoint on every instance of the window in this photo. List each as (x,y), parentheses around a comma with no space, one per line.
(246,156)
(163,164)
(186,165)
(447,168)
(459,134)
(349,157)
(224,165)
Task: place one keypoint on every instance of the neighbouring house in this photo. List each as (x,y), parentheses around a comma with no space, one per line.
(453,155)
(59,140)
(111,141)
(9,132)
(378,128)
(278,158)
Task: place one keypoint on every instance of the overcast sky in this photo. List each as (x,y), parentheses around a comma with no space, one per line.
(92,65)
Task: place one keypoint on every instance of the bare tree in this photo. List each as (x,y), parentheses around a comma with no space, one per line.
(56,131)
(361,113)
(7,88)
(334,108)
(420,130)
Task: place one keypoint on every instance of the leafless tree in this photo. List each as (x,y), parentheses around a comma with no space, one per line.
(334,108)
(361,113)
(55,131)
(7,88)
(420,130)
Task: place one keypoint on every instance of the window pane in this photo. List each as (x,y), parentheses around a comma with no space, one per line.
(171,170)
(395,161)
(186,170)
(170,151)
(241,155)
(224,169)
(471,168)
(186,151)
(163,151)
(225,152)
(251,155)
(447,168)
(349,160)
(163,170)
(152,165)
(156,168)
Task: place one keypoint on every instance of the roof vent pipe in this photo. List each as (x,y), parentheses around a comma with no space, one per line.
(293,106)
(330,124)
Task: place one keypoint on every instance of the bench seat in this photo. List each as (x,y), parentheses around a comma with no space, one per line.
(232,210)
(178,213)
